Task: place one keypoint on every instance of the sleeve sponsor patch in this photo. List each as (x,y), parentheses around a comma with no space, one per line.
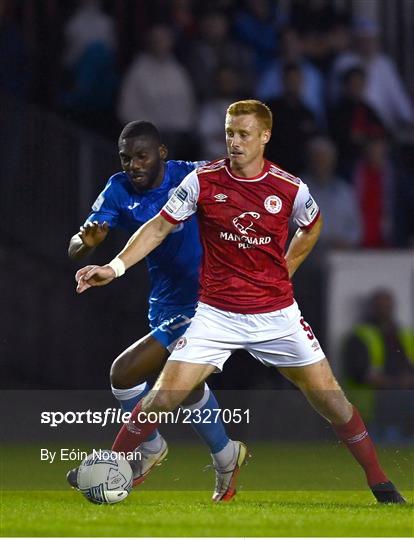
(174,204)
(98,203)
(309,203)
(181,193)
(177,200)
(311,208)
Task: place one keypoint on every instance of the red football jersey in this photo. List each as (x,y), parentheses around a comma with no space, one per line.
(244,225)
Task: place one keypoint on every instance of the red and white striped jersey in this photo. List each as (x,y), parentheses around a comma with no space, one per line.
(244,226)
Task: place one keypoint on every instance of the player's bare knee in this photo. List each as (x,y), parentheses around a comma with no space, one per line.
(120,374)
(332,405)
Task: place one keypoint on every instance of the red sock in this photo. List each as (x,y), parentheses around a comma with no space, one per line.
(355,436)
(133,433)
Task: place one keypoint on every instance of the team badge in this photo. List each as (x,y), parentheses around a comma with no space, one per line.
(244,222)
(273,204)
(181,343)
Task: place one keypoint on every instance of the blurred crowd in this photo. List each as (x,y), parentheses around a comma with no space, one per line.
(343,116)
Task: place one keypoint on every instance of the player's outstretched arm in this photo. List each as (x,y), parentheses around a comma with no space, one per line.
(141,243)
(145,240)
(301,245)
(85,241)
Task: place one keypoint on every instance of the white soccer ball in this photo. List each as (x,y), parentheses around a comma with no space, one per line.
(104,477)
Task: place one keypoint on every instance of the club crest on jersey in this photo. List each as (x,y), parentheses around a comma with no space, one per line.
(181,343)
(244,222)
(273,204)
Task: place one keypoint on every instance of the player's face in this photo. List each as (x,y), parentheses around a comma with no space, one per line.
(245,139)
(143,159)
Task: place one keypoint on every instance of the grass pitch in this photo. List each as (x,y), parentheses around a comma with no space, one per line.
(284,491)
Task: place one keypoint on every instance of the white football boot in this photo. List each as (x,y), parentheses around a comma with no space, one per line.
(226,478)
(143,466)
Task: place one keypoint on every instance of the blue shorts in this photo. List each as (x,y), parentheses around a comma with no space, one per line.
(168,327)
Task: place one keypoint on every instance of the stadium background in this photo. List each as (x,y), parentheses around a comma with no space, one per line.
(56,154)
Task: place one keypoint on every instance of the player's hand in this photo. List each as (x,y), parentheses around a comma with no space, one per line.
(93,233)
(93,276)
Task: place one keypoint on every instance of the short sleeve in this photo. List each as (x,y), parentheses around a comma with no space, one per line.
(183,202)
(105,208)
(305,210)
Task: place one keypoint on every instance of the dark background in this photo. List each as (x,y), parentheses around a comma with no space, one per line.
(55,160)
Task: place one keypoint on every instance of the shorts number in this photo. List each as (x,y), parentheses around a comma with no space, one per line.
(307,329)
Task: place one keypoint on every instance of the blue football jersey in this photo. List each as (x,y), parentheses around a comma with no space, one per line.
(174,265)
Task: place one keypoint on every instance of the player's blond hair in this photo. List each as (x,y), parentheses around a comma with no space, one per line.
(252,106)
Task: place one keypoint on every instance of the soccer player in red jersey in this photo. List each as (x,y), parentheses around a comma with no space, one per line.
(244,204)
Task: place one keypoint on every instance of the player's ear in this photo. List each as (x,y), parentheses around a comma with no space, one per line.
(163,151)
(266,134)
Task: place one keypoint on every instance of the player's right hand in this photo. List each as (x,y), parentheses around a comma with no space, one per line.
(93,233)
(93,276)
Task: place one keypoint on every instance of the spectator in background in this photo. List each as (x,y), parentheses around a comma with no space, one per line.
(270,85)
(14,61)
(157,88)
(317,15)
(183,22)
(90,60)
(352,121)
(322,46)
(255,26)
(404,199)
(213,49)
(341,228)
(211,132)
(375,182)
(339,38)
(15,79)
(384,89)
(378,354)
(322,26)
(182,18)
(336,198)
(294,120)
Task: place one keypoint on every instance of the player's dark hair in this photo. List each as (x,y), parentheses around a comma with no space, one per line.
(140,128)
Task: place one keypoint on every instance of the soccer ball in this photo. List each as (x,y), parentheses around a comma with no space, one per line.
(104,477)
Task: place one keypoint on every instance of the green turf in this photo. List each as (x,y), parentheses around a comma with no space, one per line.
(286,490)
(188,513)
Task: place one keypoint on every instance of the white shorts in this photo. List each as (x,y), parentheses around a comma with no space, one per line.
(279,338)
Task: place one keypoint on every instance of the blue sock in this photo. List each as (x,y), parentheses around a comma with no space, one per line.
(212,432)
(129,397)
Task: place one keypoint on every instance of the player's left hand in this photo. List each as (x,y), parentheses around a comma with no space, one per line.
(93,276)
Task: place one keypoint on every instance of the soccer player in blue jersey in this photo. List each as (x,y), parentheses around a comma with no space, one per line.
(130,199)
